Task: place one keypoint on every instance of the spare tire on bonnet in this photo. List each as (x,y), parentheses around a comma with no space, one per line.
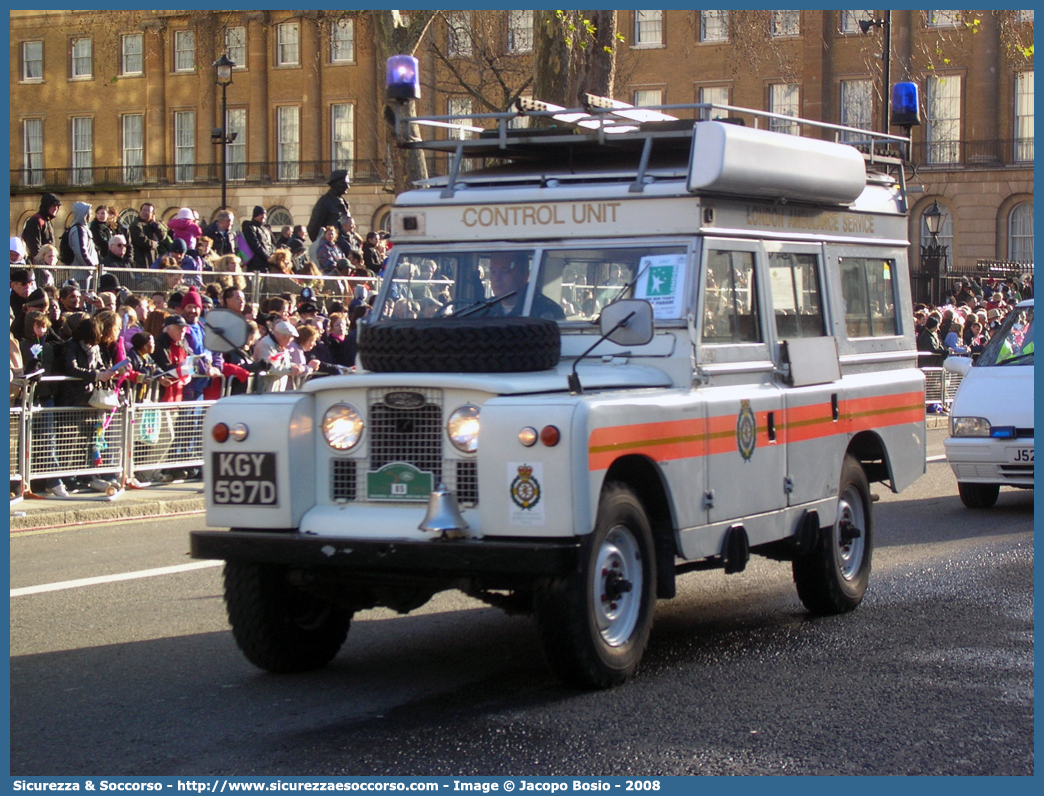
(459,345)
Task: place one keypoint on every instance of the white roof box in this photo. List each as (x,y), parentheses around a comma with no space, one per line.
(743,161)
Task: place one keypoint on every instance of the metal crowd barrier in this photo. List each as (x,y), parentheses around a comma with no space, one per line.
(940,386)
(18,481)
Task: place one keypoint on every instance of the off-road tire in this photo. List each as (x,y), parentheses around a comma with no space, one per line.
(279,627)
(832,577)
(978,496)
(590,640)
(460,345)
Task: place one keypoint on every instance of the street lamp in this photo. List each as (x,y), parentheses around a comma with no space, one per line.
(223,67)
(886,25)
(933,256)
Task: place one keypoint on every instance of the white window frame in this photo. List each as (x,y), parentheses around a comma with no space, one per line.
(459,43)
(785,23)
(712,94)
(849,23)
(648,28)
(81,149)
(643,97)
(714,26)
(456,106)
(342,136)
(128,53)
(82,62)
(1025,15)
(236,45)
(288,44)
(132,147)
(288,142)
(785,98)
(184,146)
(857,106)
(1024,117)
(26,60)
(942,19)
(236,122)
(943,119)
(520,32)
(32,151)
(342,41)
(184,51)
(1020,233)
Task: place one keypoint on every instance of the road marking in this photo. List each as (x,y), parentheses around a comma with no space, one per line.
(935,459)
(143,573)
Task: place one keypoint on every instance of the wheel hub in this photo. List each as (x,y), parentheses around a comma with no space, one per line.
(617,586)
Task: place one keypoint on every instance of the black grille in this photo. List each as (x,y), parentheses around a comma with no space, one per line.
(343,480)
(407,435)
(467,483)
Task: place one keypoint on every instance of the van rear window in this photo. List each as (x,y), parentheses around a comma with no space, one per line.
(868,288)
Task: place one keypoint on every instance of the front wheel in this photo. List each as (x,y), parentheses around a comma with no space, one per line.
(978,496)
(279,627)
(595,623)
(832,577)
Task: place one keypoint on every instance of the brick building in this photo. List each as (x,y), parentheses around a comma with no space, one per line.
(138,101)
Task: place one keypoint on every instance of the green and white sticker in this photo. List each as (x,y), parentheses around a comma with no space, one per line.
(398,481)
(661,283)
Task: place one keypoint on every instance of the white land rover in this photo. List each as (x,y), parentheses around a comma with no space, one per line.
(623,352)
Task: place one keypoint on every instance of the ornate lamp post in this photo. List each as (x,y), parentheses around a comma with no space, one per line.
(219,135)
(933,256)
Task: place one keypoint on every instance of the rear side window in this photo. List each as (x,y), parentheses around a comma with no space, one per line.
(796,299)
(868,289)
(730,299)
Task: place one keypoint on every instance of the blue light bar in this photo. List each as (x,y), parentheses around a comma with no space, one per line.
(906,109)
(401,81)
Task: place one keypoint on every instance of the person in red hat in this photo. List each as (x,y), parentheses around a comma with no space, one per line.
(207,364)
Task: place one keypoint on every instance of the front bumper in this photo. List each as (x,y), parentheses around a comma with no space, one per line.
(984,460)
(428,559)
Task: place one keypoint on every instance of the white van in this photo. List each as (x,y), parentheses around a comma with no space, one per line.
(991,418)
(612,352)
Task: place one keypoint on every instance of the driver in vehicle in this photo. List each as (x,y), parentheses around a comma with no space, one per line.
(509,273)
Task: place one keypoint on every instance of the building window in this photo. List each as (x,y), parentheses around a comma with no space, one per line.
(1024,116)
(279,216)
(235,124)
(850,20)
(342,41)
(287,41)
(342,136)
(32,60)
(458,34)
(32,151)
(288,150)
(644,97)
(648,28)
(184,50)
(857,106)
(81,58)
(185,146)
(520,31)
(133,148)
(784,99)
(82,149)
(1020,233)
(945,236)
(133,62)
(1025,16)
(785,23)
(714,26)
(718,95)
(943,19)
(944,119)
(460,106)
(235,46)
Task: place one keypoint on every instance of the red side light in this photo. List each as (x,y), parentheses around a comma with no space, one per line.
(219,432)
(550,436)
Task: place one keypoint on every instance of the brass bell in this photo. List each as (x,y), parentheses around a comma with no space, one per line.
(443,515)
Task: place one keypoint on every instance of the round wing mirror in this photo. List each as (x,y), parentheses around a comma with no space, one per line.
(225,330)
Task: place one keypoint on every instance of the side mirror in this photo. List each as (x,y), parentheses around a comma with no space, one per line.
(957,365)
(627,322)
(224,330)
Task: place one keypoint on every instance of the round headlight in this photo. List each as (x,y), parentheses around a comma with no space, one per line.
(463,429)
(342,427)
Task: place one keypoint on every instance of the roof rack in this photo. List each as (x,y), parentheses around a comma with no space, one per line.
(603,122)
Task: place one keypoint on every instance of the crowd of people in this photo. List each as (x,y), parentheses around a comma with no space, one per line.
(966,320)
(150,345)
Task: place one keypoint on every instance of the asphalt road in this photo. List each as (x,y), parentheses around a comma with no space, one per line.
(933,674)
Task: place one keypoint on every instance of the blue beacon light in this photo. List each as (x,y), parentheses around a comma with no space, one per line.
(401,81)
(905,105)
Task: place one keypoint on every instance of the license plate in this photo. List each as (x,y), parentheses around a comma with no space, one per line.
(1020,455)
(398,481)
(244,479)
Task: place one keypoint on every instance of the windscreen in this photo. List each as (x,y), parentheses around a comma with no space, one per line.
(1012,344)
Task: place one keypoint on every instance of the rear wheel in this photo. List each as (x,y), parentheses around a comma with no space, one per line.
(595,623)
(978,496)
(832,577)
(279,627)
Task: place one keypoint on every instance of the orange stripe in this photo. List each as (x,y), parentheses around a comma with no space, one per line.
(681,439)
